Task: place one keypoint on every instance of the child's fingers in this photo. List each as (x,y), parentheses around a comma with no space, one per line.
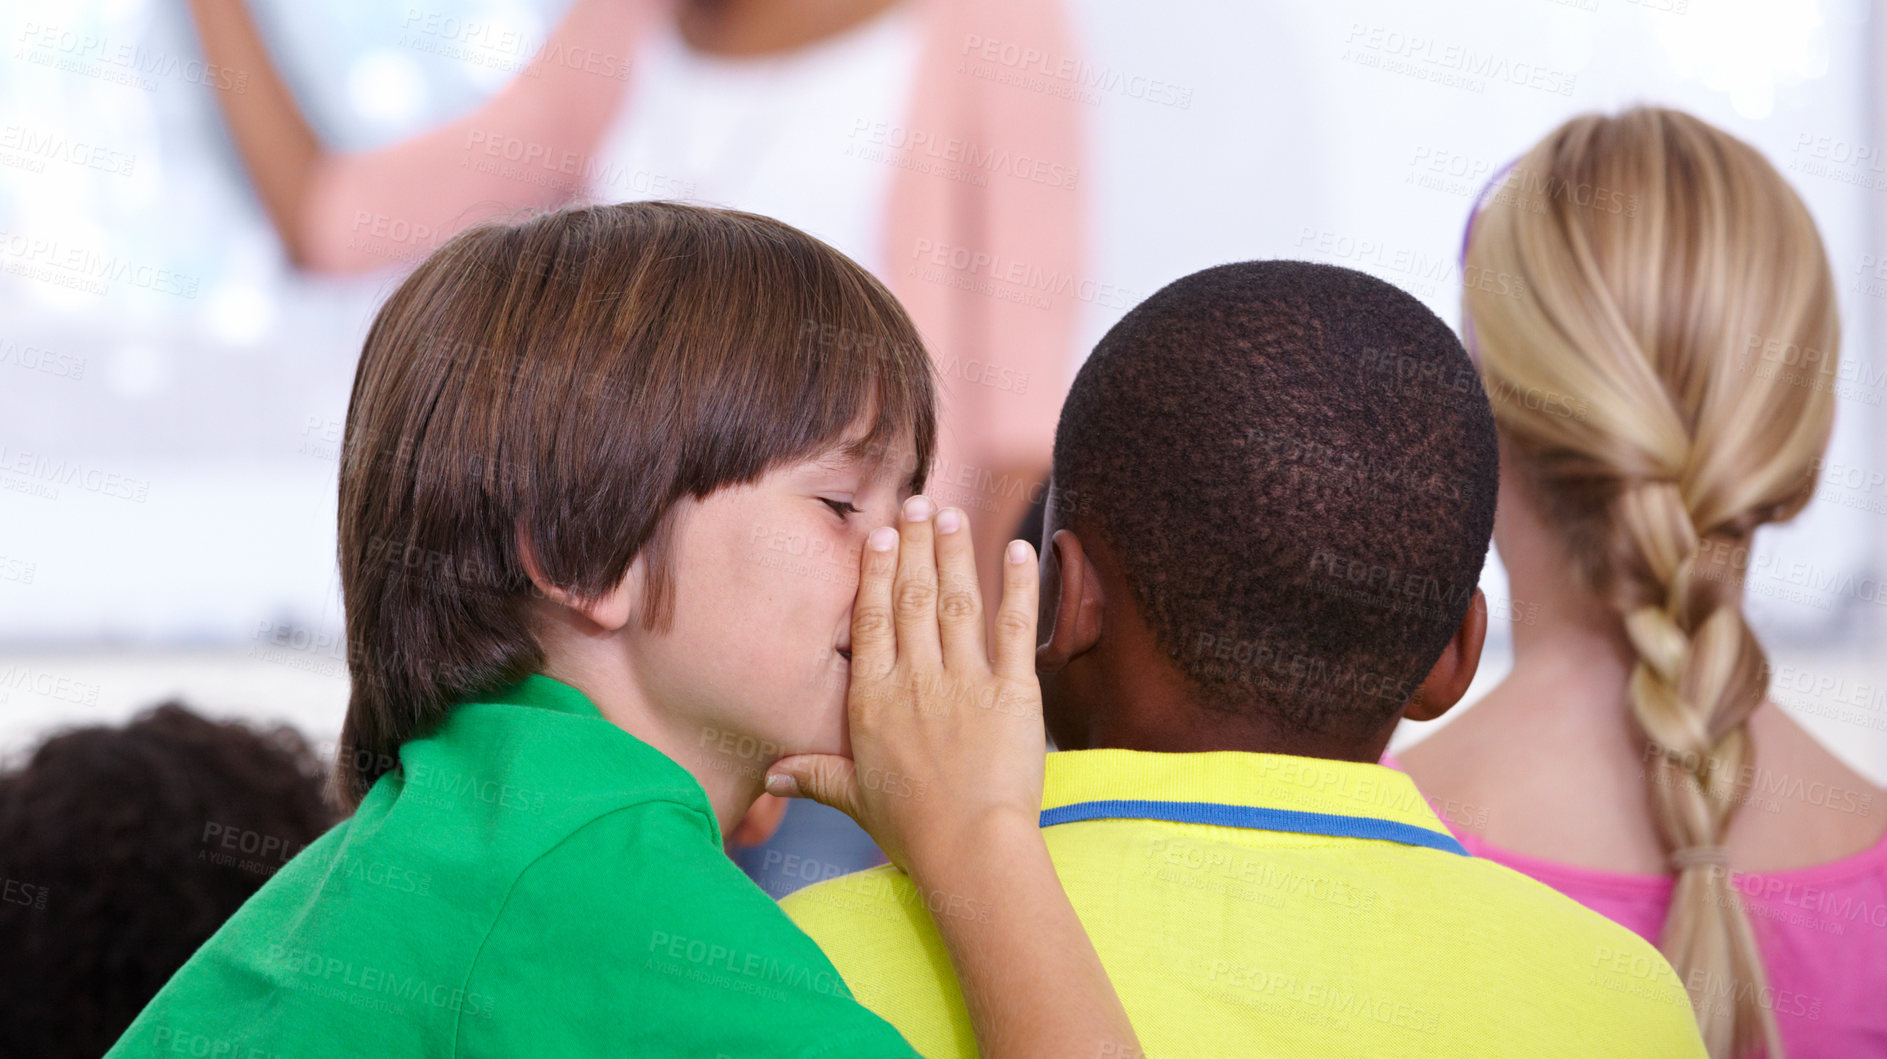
(1014,656)
(914,590)
(960,599)
(825,778)
(874,635)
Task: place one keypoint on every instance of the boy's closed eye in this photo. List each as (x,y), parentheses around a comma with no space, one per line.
(842,508)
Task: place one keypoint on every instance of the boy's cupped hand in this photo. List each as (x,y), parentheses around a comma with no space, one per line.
(946,733)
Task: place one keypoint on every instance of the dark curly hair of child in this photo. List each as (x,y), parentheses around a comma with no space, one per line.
(122,849)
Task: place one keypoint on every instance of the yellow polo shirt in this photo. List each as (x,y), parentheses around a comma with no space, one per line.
(1251,904)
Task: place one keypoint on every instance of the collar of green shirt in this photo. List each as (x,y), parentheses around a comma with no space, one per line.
(570,750)
(547,693)
(1271,792)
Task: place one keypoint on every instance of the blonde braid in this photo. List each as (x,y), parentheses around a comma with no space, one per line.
(1698,678)
(1641,261)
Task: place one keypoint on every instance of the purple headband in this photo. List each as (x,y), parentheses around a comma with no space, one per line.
(1467,233)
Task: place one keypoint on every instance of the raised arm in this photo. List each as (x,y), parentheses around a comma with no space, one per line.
(529,146)
(946,774)
(274,140)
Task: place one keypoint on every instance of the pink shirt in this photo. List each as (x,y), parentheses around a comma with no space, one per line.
(1822,931)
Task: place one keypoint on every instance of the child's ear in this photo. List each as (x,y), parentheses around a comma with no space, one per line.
(611,611)
(1451,674)
(1071,603)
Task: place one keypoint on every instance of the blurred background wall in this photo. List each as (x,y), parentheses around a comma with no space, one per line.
(172,390)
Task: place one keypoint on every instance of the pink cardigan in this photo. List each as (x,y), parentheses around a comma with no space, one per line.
(1822,930)
(1024,224)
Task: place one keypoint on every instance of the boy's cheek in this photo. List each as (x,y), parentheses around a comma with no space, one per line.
(806,715)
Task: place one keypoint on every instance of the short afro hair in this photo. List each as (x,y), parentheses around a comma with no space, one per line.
(122,850)
(1296,467)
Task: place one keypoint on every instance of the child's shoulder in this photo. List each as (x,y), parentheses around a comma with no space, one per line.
(873,919)
(512,773)
(879,890)
(1529,925)
(687,939)
(876,928)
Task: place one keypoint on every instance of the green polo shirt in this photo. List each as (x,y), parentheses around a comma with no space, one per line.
(532,880)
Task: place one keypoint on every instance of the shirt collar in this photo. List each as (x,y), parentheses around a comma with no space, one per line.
(1232,788)
(546,693)
(586,760)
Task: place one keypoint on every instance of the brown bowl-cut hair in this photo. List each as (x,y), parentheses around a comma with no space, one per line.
(570,378)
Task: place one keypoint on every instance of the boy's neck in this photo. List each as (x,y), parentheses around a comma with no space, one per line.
(1185,727)
(732,786)
(1125,693)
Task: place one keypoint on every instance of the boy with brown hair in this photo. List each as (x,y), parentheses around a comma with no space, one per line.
(577,423)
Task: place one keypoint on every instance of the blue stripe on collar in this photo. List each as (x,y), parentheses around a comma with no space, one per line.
(1254,817)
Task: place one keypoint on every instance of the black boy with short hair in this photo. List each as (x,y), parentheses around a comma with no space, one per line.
(1274,486)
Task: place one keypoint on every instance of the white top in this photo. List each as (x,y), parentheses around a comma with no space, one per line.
(791,136)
